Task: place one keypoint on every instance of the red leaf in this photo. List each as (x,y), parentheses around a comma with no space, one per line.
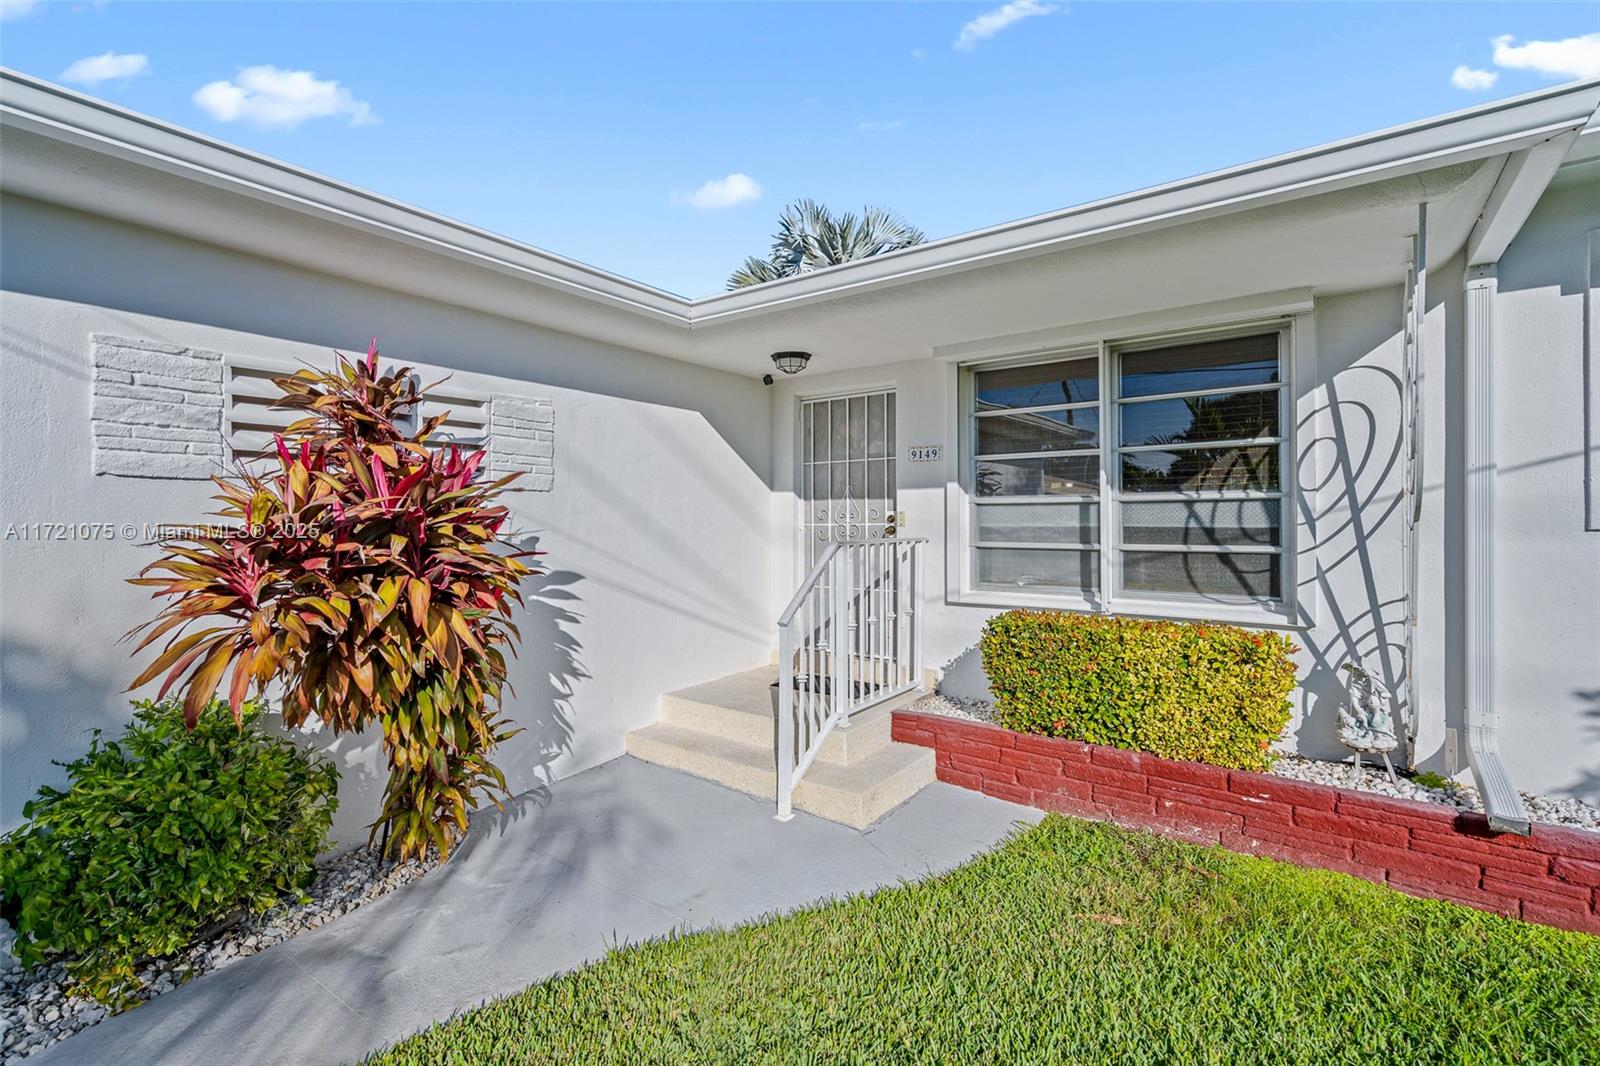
(410,481)
(380,480)
(470,468)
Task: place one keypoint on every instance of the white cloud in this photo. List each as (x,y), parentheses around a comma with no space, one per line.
(879,125)
(990,23)
(1573,57)
(280,99)
(1464,77)
(730,191)
(112,66)
(15,9)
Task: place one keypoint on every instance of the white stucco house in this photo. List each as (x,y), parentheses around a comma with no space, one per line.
(1351,392)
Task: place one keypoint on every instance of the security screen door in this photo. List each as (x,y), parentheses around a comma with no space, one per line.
(847,477)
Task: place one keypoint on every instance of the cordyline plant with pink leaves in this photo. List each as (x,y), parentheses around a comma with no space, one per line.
(368,575)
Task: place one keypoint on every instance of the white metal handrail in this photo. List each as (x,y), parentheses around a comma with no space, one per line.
(850,638)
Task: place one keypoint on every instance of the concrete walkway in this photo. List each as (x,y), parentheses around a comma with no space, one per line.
(621,853)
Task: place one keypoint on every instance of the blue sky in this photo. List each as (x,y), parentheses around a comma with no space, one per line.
(660,141)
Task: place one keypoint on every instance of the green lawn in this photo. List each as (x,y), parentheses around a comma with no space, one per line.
(1072,942)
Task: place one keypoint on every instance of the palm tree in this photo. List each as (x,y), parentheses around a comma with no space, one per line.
(811,237)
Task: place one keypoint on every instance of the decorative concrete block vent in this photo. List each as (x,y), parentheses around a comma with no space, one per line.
(522,439)
(157,409)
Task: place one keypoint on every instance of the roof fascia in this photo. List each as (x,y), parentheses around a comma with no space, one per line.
(1501,127)
(1534,130)
(61,114)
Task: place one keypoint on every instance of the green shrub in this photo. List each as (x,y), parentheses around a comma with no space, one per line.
(160,835)
(1195,691)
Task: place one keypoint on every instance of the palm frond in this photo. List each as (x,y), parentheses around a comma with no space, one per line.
(810,237)
(754,272)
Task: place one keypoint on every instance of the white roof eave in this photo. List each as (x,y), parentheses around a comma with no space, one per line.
(31,104)
(1502,127)
(1498,128)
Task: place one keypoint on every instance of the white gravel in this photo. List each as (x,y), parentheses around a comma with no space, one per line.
(1550,809)
(37,1009)
(953,707)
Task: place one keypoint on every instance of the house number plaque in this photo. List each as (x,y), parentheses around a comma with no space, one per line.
(925,453)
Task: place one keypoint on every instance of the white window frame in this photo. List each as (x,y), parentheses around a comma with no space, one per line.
(1089,599)
(1293,330)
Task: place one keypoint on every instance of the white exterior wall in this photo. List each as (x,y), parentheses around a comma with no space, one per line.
(656,522)
(670,515)
(1547,565)
(1350,567)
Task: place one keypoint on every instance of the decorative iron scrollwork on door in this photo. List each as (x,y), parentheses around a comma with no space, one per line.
(848,469)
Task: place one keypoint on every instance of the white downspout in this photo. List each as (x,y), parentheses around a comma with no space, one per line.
(1501,801)
(1522,181)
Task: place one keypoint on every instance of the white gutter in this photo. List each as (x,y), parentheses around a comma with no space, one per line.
(1522,181)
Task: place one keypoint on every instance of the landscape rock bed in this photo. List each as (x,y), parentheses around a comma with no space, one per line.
(1552,809)
(37,1008)
(1555,810)
(954,707)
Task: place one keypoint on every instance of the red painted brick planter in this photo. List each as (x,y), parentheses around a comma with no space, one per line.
(1423,849)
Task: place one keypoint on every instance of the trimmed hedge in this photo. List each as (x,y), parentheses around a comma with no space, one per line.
(1199,692)
(160,835)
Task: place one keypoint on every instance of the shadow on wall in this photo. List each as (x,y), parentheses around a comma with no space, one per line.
(964,677)
(537,701)
(1356,507)
(547,669)
(39,684)
(1587,787)
(1353,508)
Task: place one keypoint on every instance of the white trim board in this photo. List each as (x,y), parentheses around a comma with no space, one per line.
(1221,314)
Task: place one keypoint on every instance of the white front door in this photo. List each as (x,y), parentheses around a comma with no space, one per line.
(847,470)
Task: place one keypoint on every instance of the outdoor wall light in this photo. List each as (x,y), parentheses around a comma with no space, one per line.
(791,362)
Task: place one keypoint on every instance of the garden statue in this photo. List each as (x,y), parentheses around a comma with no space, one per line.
(1366,720)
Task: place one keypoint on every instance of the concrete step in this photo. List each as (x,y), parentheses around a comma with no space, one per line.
(856,794)
(866,790)
(740,707)
(747,767)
